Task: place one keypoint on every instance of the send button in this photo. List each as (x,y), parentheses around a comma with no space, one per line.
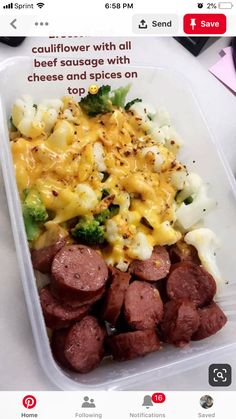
(164,24)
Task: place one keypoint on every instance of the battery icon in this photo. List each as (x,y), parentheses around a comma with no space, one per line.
(225,5)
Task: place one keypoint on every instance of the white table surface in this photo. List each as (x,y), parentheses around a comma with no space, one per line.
(19,366)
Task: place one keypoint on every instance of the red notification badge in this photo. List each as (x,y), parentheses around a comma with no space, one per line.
(158,397)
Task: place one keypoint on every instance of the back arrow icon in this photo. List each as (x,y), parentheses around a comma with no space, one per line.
(13,23)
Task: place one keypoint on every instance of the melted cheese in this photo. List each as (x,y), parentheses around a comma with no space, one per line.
(62,162)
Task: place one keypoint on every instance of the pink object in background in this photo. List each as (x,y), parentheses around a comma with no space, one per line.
(224,69)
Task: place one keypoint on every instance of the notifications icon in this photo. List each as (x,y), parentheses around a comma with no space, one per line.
(29,401)
(147,401)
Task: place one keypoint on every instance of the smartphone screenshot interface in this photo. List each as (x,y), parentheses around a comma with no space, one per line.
(117,209)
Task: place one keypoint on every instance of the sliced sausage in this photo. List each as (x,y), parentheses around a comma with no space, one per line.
(191,282)
(143,307)
(115,295)
(153,269)
(79,275)
(42,258)
(183,252)
(58,315)
(180,321)
(58,346)
(130,345)
(84,345)
(161,287)
(212,319)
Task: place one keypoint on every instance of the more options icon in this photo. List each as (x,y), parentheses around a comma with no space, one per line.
(220,375)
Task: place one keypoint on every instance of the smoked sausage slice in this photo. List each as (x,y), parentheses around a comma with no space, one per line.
(115,295)
(154,268)
(84,347)
(191,282)
(126,346)
(183,252)
(212,319)
(180,321)
(79,275)
(58,315)
(143,307)
(58,346)
(42,258)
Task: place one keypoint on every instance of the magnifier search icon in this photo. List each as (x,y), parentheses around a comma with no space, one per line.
(219,374)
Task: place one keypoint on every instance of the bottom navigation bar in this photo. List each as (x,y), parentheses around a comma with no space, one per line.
(117,405)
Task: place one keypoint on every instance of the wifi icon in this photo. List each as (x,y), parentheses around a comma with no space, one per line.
(40,5)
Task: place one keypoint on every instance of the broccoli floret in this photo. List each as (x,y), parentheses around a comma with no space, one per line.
(89,231)
(32,227)
(34,213)
(109,212)
(34,205)
(98,103)
(104,100)
(103,216)
(119,96)
(131,103)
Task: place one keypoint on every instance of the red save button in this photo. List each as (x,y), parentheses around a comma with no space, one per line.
(207,24)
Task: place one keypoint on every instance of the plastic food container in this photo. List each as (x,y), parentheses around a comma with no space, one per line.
(157,86)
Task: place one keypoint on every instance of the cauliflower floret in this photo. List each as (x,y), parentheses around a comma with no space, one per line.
(139,247)
(172,139)
(67,114)
(155,152)
(162,117)
(123,200)
(32,120)
(206,243)
(48,117)
(62,135)
(144,111)
(24,117)
(55,104)
(47,112)
(111,232)
(98,152)
(189,215)
(23,107)
(122,266)
(178,179)
(165,135)
(166,234)
(192,185)
(157,134)
(157,125)
(87,197)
